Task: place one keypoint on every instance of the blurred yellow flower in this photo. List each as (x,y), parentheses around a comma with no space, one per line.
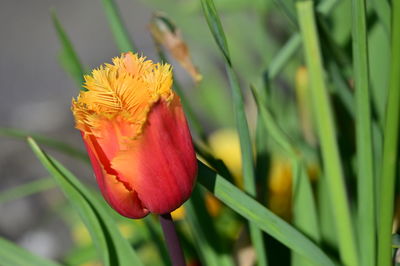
(225,145)
(213,206)
(179,213)
(280,187)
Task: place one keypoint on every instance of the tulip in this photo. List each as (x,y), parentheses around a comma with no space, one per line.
(137,137)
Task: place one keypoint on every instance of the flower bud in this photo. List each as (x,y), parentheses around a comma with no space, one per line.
(136,136)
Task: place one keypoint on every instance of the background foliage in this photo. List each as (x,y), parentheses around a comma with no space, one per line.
(293,108)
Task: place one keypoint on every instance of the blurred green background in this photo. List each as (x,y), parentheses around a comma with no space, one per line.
(35,91)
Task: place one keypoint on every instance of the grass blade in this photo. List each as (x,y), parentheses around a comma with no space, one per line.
(365,172)
(68,57)
(215,26)
(267,221)
(282,57)
(263,159)
(27,189)
(49,142)
(382,9)
(11,254)
(289,49)
(114,249)
(117,27)
(204,230)
(326,134)
(83,207)
(341,88)
(390,146)
(277,134)
(288,8)
(305,210)
(305,214)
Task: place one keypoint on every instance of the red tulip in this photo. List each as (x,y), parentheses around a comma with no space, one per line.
(136,136)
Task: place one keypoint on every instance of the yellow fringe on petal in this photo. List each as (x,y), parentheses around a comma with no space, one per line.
(127,89)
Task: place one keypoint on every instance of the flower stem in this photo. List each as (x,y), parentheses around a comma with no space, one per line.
(171,238)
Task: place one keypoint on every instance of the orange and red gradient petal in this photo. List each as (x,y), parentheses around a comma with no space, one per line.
(161,167)
(118,194)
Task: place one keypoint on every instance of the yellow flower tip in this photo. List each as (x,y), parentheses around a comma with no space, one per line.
(302,77)
(127,88)
(179,213)
(280,176)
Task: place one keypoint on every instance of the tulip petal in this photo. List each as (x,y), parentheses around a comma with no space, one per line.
(161,166)
(112,135)
(117,193)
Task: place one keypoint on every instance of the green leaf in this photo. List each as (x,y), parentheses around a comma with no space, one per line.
(68,57)
(264,219)
(326,133)
(118,29)
(379,54)
(326,216)
(341,88)
(11,254)
(365,166)
(210,13)
(288,8)
(282,57)
(217,31)
(113,248)
(49,142)
(272,127)
(204,231)
(382,9)
(290,48)
(27,189)
(304,208)
(261,144)
(390,146)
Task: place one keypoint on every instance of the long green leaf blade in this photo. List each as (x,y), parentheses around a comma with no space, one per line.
(27,189)
(390,146)
(293,44)
(11,254)
(382,9)
(118,29)
(267,221)
(326,133)
(83,207)
(365,172)
(217,31)
(304,208)
(111,245)
(49,142)
(69,57)
(204,230)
